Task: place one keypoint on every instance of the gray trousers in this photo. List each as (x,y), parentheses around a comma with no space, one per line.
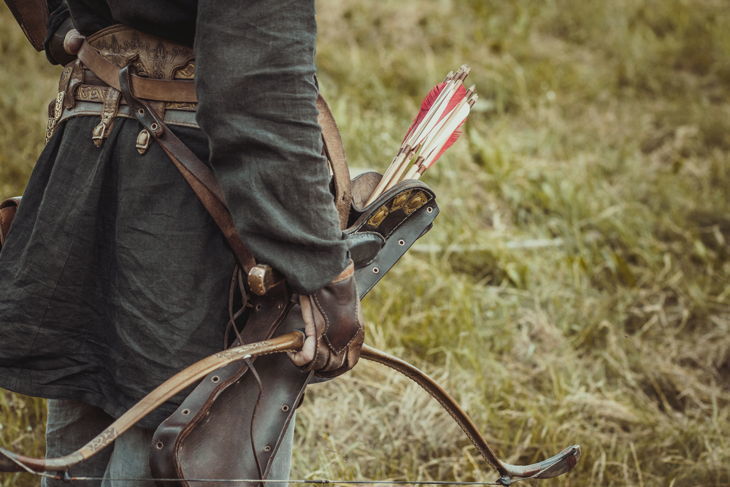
(71,424)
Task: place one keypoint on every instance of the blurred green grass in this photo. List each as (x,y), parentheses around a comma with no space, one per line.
(603,136)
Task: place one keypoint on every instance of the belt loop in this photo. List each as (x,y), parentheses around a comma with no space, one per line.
(76,78)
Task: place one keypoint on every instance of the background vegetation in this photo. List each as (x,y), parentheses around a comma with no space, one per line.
(575,288)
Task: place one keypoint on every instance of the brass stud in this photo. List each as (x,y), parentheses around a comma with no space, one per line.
(378,217)
(418,200)
(400,200)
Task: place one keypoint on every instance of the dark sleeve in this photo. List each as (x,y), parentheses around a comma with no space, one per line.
(257,95)
(59,23)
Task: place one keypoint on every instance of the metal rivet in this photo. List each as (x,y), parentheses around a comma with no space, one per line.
(429,209)
(154,126)
(285,407)
(215,378)
(258,307)
(376,270)
(186,412)
(140,111)
(159,445)
(401,242)
(267,448)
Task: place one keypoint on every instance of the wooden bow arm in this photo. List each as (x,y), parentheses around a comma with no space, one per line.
(12,462)
(558,464)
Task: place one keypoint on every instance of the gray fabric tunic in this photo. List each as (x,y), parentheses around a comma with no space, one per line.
(114,276)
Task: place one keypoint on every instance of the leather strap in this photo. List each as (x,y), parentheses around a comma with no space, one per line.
(335,152)
(196,173)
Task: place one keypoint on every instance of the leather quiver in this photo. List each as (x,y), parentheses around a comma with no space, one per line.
(7,213)
(394,221)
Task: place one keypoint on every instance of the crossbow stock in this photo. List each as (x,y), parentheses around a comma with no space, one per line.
(508,474)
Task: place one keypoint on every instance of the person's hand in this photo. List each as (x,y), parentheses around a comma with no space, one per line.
(72,42)
(333,327)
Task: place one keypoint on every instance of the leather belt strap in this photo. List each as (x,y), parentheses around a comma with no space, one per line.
(144,88)
(183,118)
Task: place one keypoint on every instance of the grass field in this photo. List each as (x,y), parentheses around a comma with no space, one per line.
(575,288)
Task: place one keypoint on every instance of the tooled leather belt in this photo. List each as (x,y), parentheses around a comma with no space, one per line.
(164,76)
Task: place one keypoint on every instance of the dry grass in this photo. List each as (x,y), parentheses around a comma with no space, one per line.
(604,125)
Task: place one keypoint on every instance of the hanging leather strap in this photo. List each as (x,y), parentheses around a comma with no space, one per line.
(196,173)
(335,152)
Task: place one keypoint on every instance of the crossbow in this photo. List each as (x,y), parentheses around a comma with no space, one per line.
(508,474)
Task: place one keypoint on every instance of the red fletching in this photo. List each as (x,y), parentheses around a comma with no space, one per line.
(452,138)
(455,99)
(426,105)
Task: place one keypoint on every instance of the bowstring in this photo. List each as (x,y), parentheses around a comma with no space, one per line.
(291,481)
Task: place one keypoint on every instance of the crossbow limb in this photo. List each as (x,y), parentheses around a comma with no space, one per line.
(551,467)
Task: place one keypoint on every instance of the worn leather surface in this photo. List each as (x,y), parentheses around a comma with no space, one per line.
(149,55)
(7,213)
(147,88)
(32,15)
(209,436)
(333,325)
(338,304)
